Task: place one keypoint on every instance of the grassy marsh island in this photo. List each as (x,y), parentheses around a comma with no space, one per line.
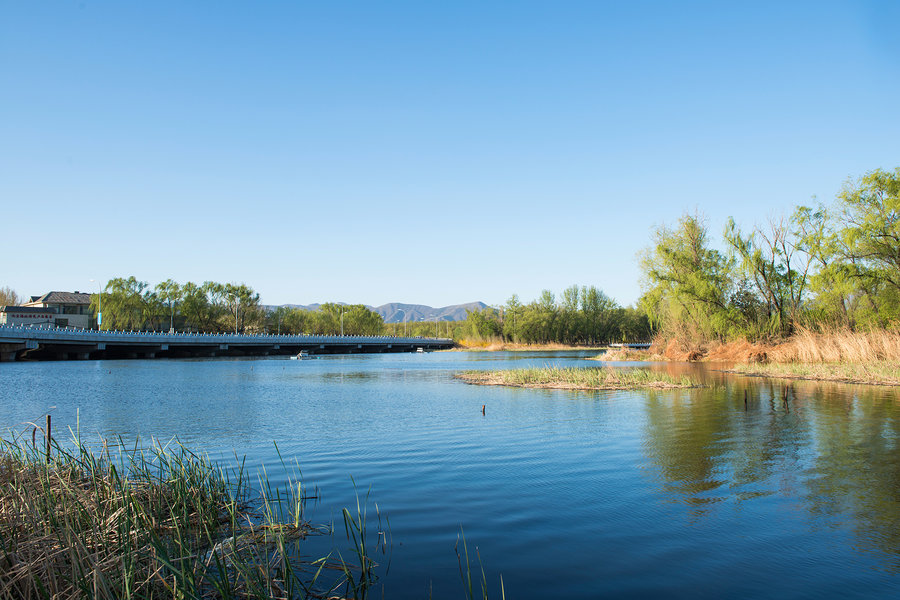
(158,523)
(570,378)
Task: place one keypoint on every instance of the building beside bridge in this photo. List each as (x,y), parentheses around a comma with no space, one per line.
(70,309)
(27,315)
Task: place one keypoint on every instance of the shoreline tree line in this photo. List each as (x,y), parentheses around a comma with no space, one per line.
(583,315)
(824,267)
(212,307)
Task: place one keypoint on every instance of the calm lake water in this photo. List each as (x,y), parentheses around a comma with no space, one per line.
(565,494)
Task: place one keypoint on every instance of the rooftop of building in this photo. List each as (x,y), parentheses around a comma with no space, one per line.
(60,298)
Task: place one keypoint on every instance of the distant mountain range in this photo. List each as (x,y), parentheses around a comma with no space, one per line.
(397,312)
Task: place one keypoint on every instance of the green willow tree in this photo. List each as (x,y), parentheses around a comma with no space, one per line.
(217,310)
(688,284)
(357,320)
(855,250)
(867,227)
(296,320)
(510,324)
(775,262)
(170,294)
(583,315)
(241,303)
(209,308)
(123,304)
(605,321)
(824,267)
(834,299)
(195,306)
(485,324)
(285,320)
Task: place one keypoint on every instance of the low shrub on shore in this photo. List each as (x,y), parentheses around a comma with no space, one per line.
(578,378)
(161,522)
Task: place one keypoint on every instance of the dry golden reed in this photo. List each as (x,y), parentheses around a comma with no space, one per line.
(831,346)
(839,346)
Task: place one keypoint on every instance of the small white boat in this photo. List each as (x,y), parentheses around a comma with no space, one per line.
(302,355)
(420,349)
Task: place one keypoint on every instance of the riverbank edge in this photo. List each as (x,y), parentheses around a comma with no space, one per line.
(852,373)
(870,358)
(511,347)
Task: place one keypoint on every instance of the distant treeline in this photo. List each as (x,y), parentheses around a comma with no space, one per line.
(831,267)
(582,316)
(211,307)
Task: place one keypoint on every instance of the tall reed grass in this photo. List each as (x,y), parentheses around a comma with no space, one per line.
(465,570)
(837,345)
(157,522)
(871,357)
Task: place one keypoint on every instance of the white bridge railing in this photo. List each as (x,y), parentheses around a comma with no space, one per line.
(59,335)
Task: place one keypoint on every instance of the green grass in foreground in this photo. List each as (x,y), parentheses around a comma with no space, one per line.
(158,523)
(873,373)
(578,378)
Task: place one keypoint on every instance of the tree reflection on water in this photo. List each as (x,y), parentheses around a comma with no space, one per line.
(830,448)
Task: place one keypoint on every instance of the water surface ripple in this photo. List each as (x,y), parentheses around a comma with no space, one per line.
(679,493)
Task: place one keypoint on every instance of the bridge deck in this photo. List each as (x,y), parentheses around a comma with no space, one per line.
(44,342)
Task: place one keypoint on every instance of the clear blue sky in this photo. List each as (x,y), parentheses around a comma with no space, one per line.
(433,153)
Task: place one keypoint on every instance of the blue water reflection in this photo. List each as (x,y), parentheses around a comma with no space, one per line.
(566,494)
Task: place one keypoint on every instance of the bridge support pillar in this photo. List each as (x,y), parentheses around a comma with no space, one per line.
(83,355)
(8,351)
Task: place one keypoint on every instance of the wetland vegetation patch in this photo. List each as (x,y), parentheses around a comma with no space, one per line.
(158,522)
(579,378)
(872,373)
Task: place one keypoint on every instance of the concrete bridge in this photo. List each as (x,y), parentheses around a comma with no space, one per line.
(51,343)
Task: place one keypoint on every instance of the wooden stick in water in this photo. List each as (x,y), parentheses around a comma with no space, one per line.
(48,438)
